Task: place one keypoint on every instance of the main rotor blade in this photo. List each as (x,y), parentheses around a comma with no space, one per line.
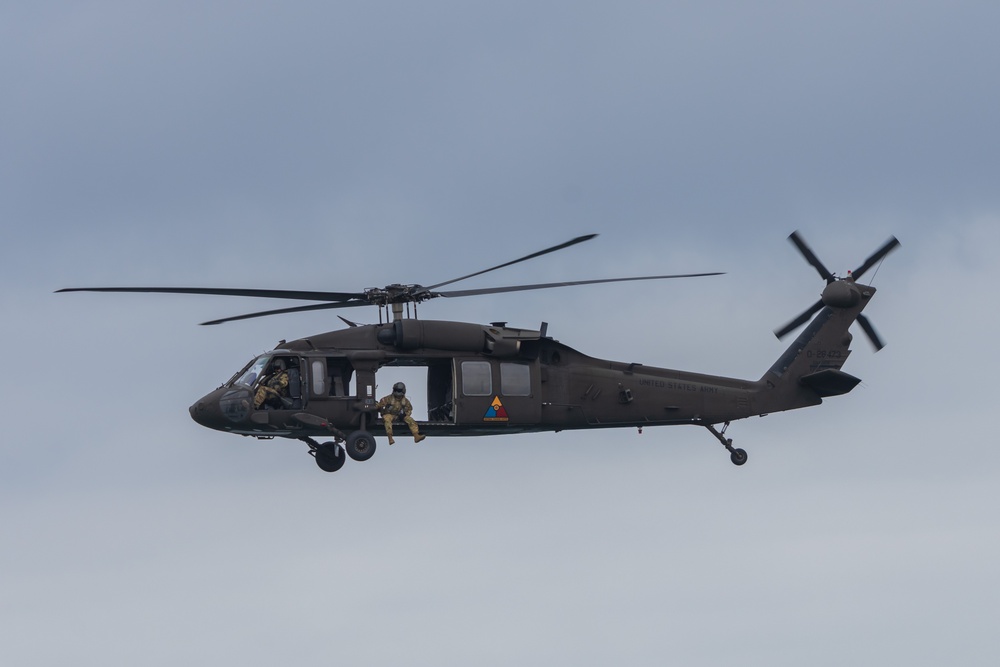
(889,246)
(811,257)
(578,239)
(522,288)
(800,320)
(264,293)
(870,330)
(295,309)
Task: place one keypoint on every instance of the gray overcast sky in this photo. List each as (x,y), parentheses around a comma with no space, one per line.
(343,145)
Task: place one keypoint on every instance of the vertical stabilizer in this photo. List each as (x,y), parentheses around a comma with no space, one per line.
(810,369)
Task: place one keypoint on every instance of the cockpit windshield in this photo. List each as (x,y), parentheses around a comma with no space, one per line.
(250,372)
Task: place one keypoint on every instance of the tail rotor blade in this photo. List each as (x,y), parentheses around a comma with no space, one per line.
(811,257)
(870,330)
(863,321)
(877,256)
(799,321)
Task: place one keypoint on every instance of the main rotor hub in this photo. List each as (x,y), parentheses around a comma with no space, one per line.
(397,293)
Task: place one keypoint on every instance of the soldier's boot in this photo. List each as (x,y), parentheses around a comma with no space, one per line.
(391,441)
(416,434)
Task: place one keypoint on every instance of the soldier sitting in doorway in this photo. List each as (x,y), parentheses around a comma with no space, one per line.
(395,405)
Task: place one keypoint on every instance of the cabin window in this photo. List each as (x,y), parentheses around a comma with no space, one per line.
(339,376)
(515,379)
(318,373)
(477,378)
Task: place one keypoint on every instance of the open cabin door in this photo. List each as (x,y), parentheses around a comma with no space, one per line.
(430,386)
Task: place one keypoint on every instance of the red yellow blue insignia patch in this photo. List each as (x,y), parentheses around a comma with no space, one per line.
(496,412)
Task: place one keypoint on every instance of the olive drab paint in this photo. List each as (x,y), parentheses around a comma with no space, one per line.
(496,379)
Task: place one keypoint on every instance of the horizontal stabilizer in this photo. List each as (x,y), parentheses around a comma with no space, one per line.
(830,382)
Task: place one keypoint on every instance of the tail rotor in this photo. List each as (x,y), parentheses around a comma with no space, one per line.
(839,291)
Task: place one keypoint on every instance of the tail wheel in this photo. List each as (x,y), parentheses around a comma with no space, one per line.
(360,445)
(738,456)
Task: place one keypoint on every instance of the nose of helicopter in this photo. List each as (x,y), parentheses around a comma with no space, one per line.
(206,412)
(222,408)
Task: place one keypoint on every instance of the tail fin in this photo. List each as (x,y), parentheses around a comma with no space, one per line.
(810,369)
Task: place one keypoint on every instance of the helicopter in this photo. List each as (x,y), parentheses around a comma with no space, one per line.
(497,379)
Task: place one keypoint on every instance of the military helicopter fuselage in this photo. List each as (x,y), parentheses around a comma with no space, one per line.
(495,379)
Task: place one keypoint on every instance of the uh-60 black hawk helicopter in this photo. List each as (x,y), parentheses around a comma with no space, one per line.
(495,379)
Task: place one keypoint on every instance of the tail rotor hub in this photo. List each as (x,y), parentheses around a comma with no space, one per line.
(841,294)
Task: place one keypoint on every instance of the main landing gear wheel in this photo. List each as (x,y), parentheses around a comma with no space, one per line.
(361,445)
(330,457)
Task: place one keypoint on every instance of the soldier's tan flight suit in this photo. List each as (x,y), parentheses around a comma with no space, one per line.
(274,387)
(392,406)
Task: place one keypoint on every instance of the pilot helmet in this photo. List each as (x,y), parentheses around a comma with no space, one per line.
(399,388)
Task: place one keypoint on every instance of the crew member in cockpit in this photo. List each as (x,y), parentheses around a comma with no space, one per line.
(272,388)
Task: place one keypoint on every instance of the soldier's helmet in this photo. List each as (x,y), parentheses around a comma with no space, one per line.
(279,364)
(399,388)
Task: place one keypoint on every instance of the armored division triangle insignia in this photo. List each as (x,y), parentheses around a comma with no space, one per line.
(496,412)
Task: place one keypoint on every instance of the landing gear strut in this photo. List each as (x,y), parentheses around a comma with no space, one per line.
(736,455)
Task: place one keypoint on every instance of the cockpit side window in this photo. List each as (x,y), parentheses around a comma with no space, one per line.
(251,373)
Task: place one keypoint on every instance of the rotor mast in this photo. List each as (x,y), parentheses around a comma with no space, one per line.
(392,299)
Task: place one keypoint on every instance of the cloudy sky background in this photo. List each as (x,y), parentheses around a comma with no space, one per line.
(348,145)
